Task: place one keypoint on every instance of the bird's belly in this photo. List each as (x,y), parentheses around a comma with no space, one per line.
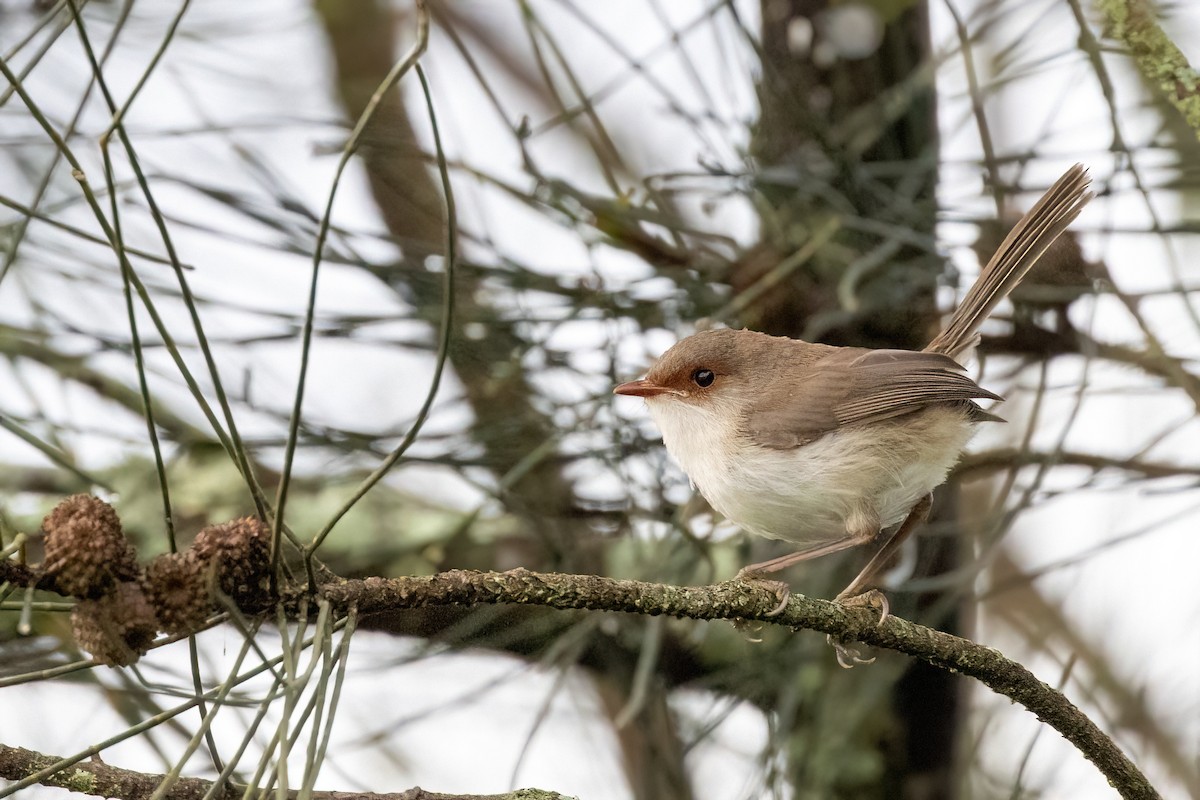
(850,482)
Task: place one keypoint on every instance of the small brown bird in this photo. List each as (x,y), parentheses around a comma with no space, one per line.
(822,446)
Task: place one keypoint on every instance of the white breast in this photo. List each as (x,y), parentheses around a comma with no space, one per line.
(849,482)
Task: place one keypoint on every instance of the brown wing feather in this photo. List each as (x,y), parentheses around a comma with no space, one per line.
(809,413)
(852,386)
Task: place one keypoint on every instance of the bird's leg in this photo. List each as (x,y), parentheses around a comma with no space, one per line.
(755,573)
(854,594)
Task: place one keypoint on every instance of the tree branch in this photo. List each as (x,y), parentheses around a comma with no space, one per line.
(1003,458)
(1161,62)
(732,600)
(100,779)
(739,600)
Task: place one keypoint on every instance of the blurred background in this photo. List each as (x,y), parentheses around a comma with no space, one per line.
(623,173)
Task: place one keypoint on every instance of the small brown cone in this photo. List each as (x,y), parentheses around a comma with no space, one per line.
(118,628)
(240,551)
(177,586)
(86,550)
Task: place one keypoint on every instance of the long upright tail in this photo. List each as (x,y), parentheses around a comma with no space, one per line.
(1023,246)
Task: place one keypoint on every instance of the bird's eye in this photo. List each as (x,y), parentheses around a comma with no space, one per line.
(703,378)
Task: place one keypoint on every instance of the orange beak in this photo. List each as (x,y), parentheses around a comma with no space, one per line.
(643,388)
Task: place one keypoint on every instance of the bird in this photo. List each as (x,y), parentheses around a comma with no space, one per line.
(826,447)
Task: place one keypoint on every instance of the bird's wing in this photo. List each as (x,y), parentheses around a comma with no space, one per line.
(853,386)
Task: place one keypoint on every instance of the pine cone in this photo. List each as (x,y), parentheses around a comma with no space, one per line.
(86,550)
(240,551)
(118,628)
(177,586)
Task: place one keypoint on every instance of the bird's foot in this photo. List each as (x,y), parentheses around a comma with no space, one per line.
(872,598)
(780,589)
(751,630)
(849,657)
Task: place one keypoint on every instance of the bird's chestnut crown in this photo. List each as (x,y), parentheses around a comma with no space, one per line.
(700,362)
(710,363)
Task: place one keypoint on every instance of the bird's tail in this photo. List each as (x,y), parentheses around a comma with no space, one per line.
(1023,246)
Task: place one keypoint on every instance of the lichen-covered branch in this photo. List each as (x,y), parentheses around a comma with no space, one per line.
(102,780)
(1162,64)
(738,600)
(731,600)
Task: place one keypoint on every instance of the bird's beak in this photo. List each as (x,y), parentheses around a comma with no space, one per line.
(643,388)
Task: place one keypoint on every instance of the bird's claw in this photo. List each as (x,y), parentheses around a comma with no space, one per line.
(872,598)
(780,589)
(850,657)
(847,657)
(751,630)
